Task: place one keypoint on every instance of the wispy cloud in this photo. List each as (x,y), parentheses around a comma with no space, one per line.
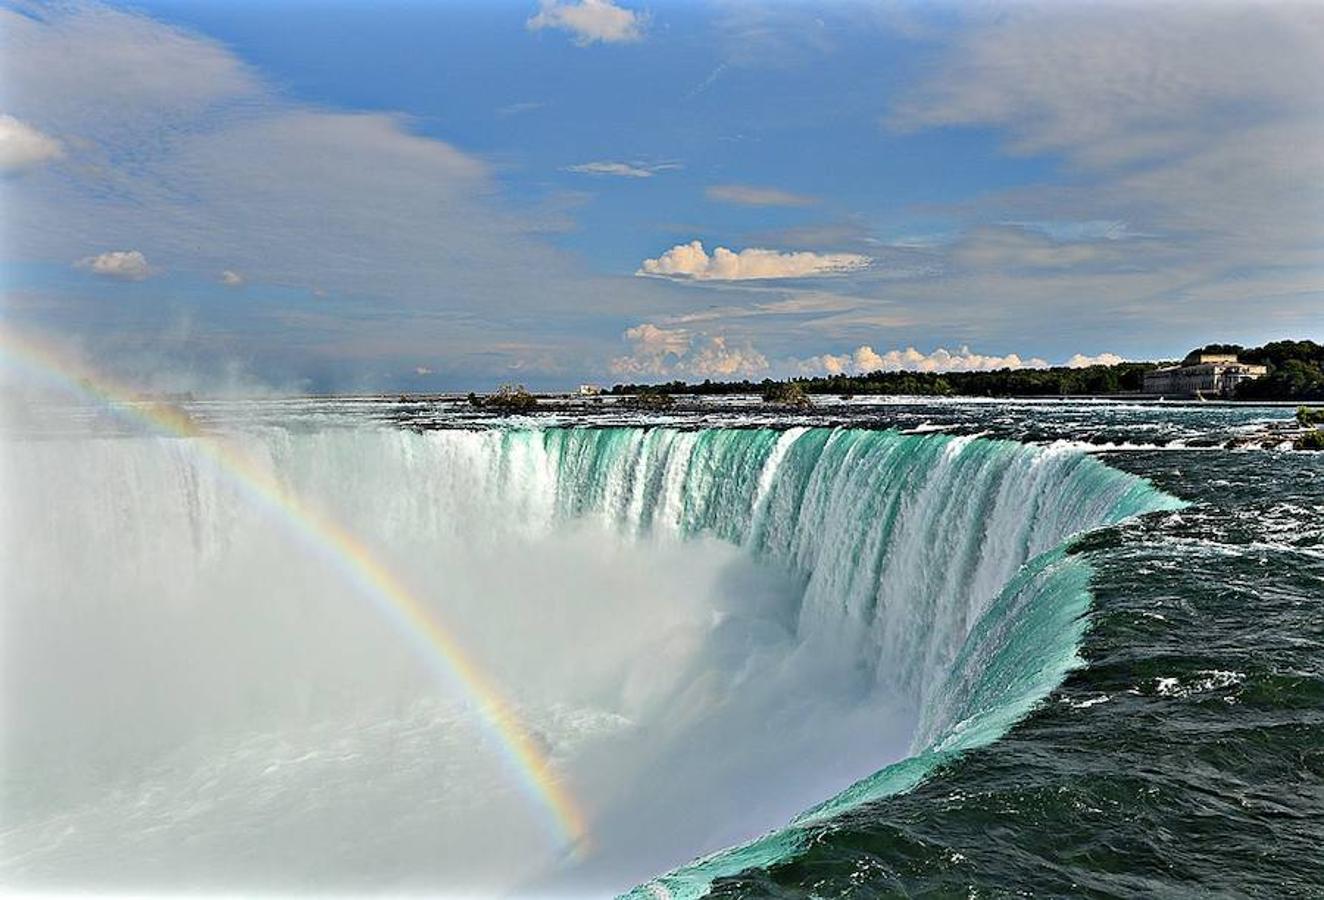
(621,169)
(231,278)
(691,262)
(798,305)
(590,21)
(749,195)
(1117,88)
(515,109)
(1015,248)
(708,82)
(1156,110)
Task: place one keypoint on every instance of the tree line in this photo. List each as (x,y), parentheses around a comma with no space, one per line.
(1296,372)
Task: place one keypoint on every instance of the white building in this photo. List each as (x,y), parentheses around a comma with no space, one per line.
(1211,375)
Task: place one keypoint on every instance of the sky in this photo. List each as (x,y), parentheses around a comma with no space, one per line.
(327,195)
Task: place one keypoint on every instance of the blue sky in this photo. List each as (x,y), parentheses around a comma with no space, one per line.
(433,195)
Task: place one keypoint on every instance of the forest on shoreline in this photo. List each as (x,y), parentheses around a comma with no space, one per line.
(1296,372)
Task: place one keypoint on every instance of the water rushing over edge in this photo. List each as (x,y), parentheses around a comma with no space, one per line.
(944,555)
(936,564)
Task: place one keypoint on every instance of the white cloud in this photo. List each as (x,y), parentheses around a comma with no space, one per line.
(748,195)
(129,265)
(691,261)
(231,278)
(590,21)
(679,353)
(654,350)
(866,359)
(714,357)
(23,147)
(422,370)
(619,169)
(1081,361)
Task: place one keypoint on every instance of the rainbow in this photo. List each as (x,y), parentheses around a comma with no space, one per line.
(435,645)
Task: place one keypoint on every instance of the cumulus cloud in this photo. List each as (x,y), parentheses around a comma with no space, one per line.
(590,21)
(653,350)
(691,261)
(680,353)
(676,352)
(1081,361)
(714,357)
(231,278)
(129,265)
(23,147)
(748,195)
(866,359)
(619,169)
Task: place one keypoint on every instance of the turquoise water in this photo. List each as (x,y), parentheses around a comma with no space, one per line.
(938,563)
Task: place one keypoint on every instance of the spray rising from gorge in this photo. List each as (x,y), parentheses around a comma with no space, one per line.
(775,615)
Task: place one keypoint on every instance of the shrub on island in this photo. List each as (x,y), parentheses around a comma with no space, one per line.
(1308,417)
(787,393)
(509,398)
(652,400)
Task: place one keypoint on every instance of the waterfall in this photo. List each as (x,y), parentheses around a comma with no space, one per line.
(916,588)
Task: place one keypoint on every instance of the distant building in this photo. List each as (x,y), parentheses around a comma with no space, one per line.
(589,390)
(1207,375)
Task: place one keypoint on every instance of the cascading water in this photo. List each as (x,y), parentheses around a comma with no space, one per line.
(709,631)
